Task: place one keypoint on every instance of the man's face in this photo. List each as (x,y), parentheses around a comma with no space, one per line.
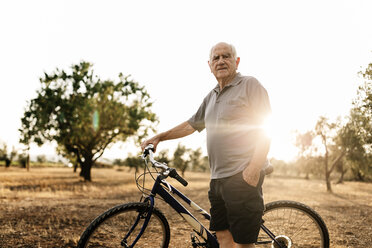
(222,63)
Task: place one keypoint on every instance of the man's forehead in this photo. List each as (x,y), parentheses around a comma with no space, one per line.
(222,49)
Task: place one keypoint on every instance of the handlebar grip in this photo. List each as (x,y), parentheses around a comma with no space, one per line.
(148,148)
(181,180)
(173,173)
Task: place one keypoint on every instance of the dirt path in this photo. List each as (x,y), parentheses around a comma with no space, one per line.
(51,207)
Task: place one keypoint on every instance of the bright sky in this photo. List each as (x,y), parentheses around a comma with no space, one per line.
(306,53)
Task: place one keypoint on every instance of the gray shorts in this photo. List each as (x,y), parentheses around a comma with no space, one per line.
(236,206)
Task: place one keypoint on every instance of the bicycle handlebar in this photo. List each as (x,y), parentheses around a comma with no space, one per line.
(149,150)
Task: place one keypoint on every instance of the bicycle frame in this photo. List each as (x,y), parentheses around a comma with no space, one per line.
(198,227)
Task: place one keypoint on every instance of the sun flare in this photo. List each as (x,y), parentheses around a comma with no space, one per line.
(280,134)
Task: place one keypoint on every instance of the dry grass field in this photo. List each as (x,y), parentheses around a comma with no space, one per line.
(50,207)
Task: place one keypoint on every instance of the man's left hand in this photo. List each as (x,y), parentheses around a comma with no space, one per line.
(251,176)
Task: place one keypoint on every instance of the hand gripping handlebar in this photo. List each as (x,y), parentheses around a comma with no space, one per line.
(149,150)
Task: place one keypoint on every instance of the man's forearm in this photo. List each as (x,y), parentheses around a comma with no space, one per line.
(182,130)
(251,174)
(179,131)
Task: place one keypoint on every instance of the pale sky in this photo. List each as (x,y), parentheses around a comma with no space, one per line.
(307,54)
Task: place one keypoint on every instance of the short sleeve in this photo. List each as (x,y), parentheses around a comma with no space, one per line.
(259,101)
(197,121)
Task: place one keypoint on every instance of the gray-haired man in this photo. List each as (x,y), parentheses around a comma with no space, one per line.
(232,114)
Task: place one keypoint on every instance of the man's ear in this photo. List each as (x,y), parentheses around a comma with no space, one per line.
(237,62)
(209,64)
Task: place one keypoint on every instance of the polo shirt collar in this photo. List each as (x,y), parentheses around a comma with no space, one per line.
(234,82)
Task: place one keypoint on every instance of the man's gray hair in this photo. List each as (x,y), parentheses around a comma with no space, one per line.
(233,50)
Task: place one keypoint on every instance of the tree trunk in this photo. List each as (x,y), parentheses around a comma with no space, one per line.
(341,180)
(327,173)
(28,162)
(334,164)
(86,167)
(328,182)
(7,162)
(360,177)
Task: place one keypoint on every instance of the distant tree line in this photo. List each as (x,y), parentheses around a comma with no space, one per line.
(183,159)
(13,155)
(6,156)
(17,157)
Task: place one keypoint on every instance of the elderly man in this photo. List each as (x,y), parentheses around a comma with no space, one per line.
(232,114)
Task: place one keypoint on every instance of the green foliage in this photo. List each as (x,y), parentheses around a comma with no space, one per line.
(41,159)
(85,114)
(162,157)
(304,142)
(345,147)
(118,162)
(327,131)
(356,135)
(179,160)
(3,151)
(23,159)
(187,158)
(197,161)
(135,162)
(317,159)
(281,167)
(7,157)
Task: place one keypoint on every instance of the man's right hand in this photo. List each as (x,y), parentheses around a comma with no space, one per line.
(154,140)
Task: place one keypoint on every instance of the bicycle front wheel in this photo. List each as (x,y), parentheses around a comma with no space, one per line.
(294,225)
(120,226)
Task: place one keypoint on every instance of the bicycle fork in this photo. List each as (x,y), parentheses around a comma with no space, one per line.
(146,214)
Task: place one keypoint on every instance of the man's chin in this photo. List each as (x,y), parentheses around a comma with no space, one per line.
(222,74)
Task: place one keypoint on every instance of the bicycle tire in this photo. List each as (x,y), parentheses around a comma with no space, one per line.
(295,223)
(109,229)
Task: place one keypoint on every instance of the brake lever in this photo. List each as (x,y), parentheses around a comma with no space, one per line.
(168,185)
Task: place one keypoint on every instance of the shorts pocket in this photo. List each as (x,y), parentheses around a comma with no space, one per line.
(259,184)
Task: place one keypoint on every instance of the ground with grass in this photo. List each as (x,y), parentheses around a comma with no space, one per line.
(51,207)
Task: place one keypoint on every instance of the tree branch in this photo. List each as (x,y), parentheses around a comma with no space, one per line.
(334,163)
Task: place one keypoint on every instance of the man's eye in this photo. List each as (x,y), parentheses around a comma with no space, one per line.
(227,56)
(216,58)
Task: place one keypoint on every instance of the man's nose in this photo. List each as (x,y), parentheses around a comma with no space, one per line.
(221,60)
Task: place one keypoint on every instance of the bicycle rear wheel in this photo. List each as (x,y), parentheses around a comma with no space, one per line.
(294,225)
(112,228)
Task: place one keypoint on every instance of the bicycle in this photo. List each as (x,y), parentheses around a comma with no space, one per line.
(140,224)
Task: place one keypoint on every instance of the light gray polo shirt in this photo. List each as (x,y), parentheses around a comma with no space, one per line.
(233,119)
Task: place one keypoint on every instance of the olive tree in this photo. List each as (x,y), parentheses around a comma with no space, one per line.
(84,115)
(7,157)
(327,131)
(179,161)
(356,135)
